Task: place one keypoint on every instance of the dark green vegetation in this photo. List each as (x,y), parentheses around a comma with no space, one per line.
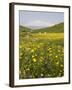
(41,52)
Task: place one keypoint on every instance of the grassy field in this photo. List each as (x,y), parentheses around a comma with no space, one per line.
(41,54)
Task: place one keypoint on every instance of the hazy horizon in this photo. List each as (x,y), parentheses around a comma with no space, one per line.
(37,27)
(37,20)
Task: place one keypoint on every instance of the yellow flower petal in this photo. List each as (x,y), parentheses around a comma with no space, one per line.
(32,50)
(32,56)
(34,60)
(56,56)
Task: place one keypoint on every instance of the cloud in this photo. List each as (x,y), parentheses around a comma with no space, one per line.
(38,23)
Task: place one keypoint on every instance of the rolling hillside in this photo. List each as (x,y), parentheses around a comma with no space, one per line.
(58,28)
(54,29)
(24,29)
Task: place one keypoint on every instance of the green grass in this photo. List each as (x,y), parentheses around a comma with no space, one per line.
(41,54)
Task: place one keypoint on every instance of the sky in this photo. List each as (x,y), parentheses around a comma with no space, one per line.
(40,19)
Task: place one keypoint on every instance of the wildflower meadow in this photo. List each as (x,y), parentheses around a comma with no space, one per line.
(41,52)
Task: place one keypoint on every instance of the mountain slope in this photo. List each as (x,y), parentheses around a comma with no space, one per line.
(54,29)
(24,29)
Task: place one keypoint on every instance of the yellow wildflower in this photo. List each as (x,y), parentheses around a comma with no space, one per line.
(32,56)
(44,33)
(39,33)
(32,50)
(58,50)
(20,46)
(57,63)
(34,60)
(49,48)
(35,54)
(56,56)
(41,57)
(27,69)
(20,54)
(50,54)
(38,46)
(41,74)
(61,65)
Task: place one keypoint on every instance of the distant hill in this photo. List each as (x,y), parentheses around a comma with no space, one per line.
(24,29)
(54,29)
